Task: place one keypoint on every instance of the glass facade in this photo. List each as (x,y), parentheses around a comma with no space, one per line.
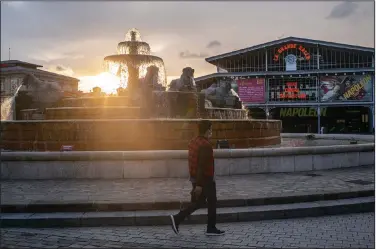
(303,89)
(331,58)
(292,57)
(302,76)
(295,56)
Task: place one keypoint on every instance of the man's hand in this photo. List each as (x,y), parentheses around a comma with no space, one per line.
(197,191)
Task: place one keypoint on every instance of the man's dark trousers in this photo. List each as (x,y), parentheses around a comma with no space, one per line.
(209,194)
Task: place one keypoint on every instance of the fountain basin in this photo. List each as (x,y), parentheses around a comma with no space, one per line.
(225,113)
(95,101)
(165,106)
(29,114)
(132,134)
(173,163)
(103,112)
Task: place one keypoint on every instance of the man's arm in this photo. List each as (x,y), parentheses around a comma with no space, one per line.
(203,161)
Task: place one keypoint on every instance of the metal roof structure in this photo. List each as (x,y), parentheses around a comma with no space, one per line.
(21,69)
(289,39)
(12,63)
(277,73)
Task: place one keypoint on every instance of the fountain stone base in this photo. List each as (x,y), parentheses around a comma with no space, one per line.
(168,163)
(132,134)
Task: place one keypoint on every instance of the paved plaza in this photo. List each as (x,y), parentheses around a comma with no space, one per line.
(342,231)
(175,189)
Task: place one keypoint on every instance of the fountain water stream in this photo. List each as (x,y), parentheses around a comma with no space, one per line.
(7,106)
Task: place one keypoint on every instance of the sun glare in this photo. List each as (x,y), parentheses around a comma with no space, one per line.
(106,81)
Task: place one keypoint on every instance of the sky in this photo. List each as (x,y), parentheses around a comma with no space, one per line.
(72,38)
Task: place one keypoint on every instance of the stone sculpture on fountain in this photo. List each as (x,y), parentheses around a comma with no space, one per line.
(39,95)
(151,79)
(44,94)
(222,96)
(186,82)
(151,93)
(186,104)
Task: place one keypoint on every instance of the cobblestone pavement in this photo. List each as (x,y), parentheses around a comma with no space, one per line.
(342,231)
(175,189)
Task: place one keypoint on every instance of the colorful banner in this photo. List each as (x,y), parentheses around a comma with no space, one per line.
(346,88)
(251,90)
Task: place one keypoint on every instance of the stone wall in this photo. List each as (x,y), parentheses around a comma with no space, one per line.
(148,164)
(105,112)
(225,113)
(95,101)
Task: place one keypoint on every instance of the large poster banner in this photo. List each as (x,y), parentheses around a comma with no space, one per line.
(251,90)
(346,88)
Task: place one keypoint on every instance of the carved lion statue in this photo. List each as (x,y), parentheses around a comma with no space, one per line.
(217,95)
(151,78)
(221,91)
(43,94)
(186,83)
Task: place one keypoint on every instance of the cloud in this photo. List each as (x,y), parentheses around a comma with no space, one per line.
(60,69)
(214,44)
(103,19)
(14,4)
(48,56)
(66,33)
(189,55)
(343,10)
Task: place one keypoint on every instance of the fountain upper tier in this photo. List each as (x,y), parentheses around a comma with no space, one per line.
(132,61)
(133,44)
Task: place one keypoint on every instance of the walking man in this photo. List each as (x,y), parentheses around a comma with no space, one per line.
(201,170)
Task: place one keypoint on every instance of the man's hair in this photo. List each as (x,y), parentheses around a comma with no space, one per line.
(204,126)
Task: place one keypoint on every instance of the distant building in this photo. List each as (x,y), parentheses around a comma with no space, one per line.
(308,84)
(13,72)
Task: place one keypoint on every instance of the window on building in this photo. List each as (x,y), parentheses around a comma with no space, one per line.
(14,85)
(248,62)
(2,87)
(336,58)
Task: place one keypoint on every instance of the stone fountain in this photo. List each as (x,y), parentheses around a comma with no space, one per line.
(132,61)
(150,115)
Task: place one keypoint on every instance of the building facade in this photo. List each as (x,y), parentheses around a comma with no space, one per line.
(13,73)
(310,85)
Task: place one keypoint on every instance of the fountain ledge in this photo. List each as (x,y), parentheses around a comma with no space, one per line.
(142,120)
(180,154)
(150,164)
(349,137)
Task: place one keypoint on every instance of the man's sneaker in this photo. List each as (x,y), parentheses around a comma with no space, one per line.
(214,232)
(173,225)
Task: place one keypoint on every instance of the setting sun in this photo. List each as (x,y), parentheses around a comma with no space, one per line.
(106,81)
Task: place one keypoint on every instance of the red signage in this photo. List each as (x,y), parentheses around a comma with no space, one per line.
(251,90)
(292,92)
(286,47)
